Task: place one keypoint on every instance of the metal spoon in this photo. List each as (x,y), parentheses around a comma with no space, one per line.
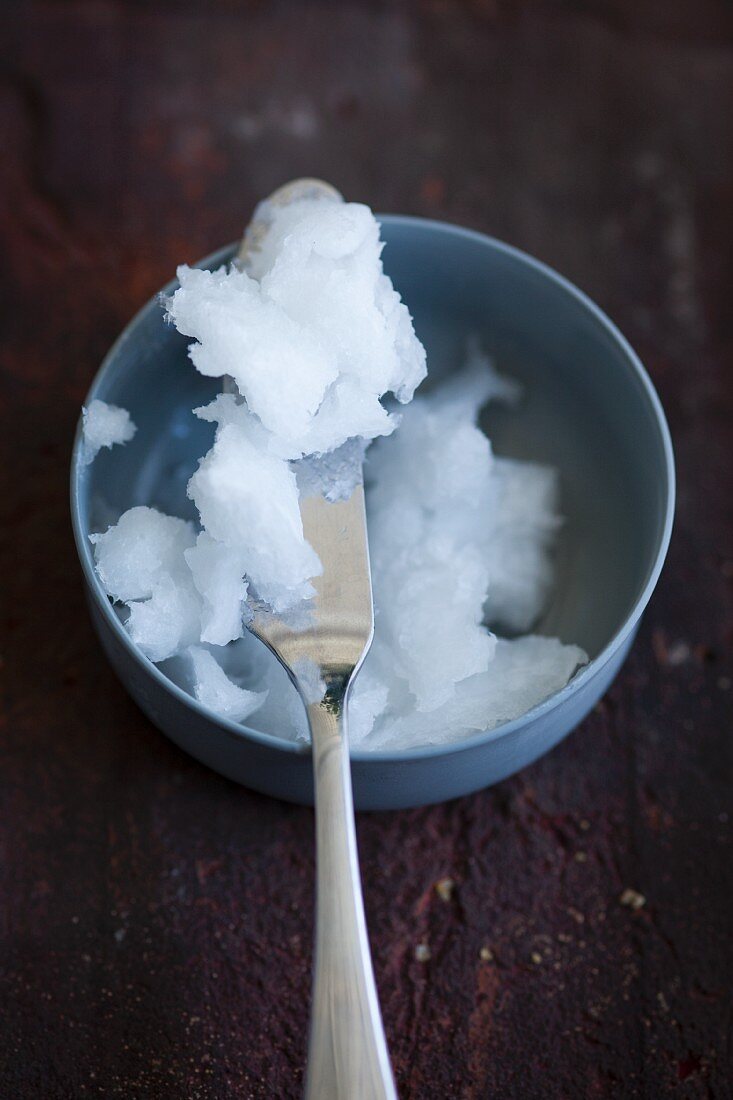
(347,1054)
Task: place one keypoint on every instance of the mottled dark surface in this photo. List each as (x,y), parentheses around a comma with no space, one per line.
(155,919)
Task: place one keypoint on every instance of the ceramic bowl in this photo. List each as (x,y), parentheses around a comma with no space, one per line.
(590,410)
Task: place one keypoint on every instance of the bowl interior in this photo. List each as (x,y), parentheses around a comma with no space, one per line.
(587,410)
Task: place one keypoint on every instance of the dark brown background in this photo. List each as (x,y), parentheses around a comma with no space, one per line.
(156,919)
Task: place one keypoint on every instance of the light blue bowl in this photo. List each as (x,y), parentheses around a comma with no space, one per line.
(590,410)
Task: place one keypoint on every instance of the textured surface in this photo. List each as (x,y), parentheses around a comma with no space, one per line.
(156,920)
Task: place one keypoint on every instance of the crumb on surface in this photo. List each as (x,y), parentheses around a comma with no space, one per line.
(632,899)
(444,888)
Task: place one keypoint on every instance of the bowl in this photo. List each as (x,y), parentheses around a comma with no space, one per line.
(590,410)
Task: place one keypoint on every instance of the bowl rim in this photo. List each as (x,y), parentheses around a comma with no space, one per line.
(481,737)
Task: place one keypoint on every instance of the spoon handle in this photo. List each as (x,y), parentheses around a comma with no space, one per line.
(347,1054)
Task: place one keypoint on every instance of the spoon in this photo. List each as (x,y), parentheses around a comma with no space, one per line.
(347,1052)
